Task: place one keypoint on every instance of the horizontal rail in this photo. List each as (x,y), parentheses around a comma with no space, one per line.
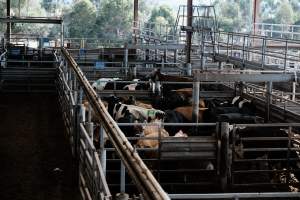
(40,20)
(236,195)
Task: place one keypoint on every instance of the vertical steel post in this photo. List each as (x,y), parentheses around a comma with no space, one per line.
(196,97)
(220,67)
(62,35)
(202,51)
(189,69)
(90,124)
(256,8)
(269,100)
(175,55)
(134,71)
(189,32)
(77,120)
(294,91)
(126,59)
(263,52)
(155,54)
(165,55)
(122,178)
(136,19)
(225,158)
(102,149)
(243,52)
(8,24)
(285,55)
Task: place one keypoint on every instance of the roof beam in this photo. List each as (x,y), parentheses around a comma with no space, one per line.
(36,20)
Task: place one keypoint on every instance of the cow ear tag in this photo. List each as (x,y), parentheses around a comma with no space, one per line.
(151,113)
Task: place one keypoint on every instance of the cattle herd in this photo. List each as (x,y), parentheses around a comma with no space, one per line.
(145,118)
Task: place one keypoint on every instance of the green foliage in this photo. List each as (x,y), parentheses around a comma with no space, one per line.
(280,11)
(230,15)
(80,21)
(114,18)
(285,13)
(162,14)
(2,13)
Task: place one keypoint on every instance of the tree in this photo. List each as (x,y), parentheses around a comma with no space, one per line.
(230,16)
(114,19)
(80,21)
(285,13)
(162,14)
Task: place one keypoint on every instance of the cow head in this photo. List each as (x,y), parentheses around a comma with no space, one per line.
(112,101)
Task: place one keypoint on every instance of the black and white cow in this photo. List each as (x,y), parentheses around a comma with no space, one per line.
(117,110)
(245,106)
(137,85)
(101,83)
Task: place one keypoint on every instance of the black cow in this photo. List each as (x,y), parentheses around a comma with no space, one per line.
(172,116)
(170,101)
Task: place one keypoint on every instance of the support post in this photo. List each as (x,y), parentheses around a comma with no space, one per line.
(189,33)
(269,101)
(77,119)
(263,54)
(256,8)
(164,58)
(90,124)
(62,35)
(196,97)
(136,19)
(122,178)
(175,55)
(134,72)
(126,59)
(225,156)
(285,55)
(102,149)
(203,60)
(189,69)
(294,91)
(8,24)
(220,67)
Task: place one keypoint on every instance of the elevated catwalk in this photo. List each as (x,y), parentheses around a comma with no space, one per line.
(35,157)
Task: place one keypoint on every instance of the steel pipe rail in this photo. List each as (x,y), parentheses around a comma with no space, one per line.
(141,175)
(236,196)
(39,20)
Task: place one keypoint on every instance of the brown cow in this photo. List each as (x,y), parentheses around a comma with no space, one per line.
(187,92)
(187,112)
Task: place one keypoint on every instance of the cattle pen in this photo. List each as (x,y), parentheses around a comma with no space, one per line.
(189,112)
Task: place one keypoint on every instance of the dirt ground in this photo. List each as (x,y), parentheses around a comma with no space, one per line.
(32,146)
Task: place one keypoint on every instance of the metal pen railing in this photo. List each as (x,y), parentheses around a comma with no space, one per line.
(92,183)
(285,31)
(252,50)
(138,171)
(268,150)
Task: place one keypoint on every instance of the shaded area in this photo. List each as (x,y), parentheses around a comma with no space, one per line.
(32,146)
